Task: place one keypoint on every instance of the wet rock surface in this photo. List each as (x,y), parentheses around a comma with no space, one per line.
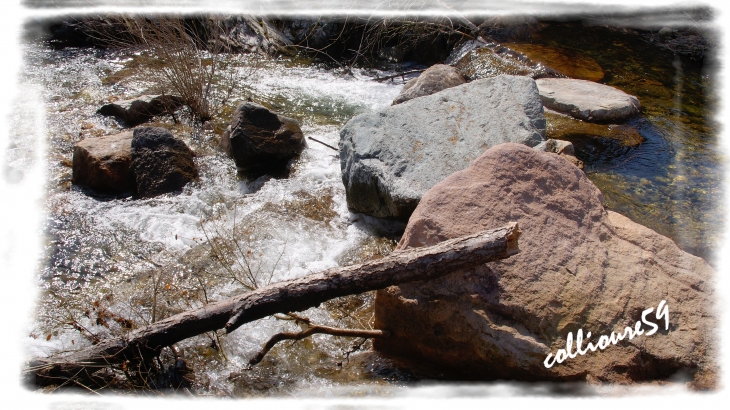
(103,163)
(141,109)
(161,163)
(94,31)
(436,78)
(390,158)
(587,100)
(476,61)
(260,140)
(580,267)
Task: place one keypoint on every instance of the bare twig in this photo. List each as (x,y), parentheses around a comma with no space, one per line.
(326,145)
(315,329)
(381,79)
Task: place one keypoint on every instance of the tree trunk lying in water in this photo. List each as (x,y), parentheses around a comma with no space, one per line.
(288,296)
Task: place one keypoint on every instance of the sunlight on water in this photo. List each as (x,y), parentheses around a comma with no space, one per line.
(111,261)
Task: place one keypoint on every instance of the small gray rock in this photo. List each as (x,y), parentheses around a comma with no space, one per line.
(563,148)
(436,78)
(587,100)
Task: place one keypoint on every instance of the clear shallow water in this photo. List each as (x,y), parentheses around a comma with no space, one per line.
(671,183)
(105,257)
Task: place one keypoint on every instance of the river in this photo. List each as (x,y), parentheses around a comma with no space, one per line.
(108,261)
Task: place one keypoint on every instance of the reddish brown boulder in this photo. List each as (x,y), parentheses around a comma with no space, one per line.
(436,78)
(102,163)
(580,268)
(146,162)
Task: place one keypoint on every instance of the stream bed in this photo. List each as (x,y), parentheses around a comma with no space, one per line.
(113,264)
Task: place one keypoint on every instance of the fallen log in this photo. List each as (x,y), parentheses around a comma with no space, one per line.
(294,295)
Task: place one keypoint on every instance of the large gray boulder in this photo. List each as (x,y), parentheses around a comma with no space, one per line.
(580,268)
(436,78)
(586,100)
(390,158)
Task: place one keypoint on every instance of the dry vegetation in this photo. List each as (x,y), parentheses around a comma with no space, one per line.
(186,62)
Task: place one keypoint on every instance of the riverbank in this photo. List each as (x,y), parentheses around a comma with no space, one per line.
(108,248)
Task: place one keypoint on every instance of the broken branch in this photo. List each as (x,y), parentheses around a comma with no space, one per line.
(294,295)
(315,329)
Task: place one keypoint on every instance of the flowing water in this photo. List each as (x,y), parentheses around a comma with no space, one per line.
(106,256)
(112,264)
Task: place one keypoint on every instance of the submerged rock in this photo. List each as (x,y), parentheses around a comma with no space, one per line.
(569,62)
(260,140)
(587,100)
(475,60)
(436,78)
(103,164)
(161,163)
(390,158)
(493,60)
(592,142)
(580,267)
(141,109)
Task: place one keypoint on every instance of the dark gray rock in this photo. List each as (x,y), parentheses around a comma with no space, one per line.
(260,140)
(161,163)
(313,33)
(390,158)
(244,34)
(436,78)
(141,109)
(86,31)
(394,54)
